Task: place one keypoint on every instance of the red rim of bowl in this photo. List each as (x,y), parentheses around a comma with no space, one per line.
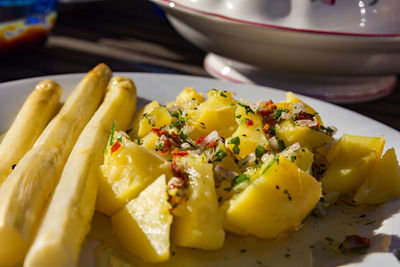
(338,98)
(271,26)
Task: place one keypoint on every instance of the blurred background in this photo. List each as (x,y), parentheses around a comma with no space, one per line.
(128,35)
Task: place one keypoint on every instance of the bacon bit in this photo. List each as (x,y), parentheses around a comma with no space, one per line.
(175,137)
(178,172)
(212,144)
(249,123)
(159,132)
(354,243)
(269,108)
(176,152)
(305,116)
(199,140)
(115,147)
(167,145)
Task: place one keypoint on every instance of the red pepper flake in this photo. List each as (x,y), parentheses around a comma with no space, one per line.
(115,146)
(266,128)
(176,152)
(212,144)
(249,123)
(156,131)
(199,140)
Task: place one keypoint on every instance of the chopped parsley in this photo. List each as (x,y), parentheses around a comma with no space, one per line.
(183,136)
(279,112)
(275,159)
(112,132)
(281,144)
(247,108)
(292,158)
(236,142)
(240,179)
(219,155)
(148,117)
(272,130)
(175,114)
(259,151)
(222,94)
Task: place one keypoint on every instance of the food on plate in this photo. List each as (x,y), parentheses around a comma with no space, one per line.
(37,110)
(282,186)
(67,219)
(24,195)
(197,222)
(245,168)
(127,169)
(180,175)
(143,225)
(348,162)
(383,181)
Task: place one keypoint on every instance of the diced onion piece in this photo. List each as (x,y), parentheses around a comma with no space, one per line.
(273,143)
(222,172)
(298,107)
(307,123)
(250,158)
(285,115)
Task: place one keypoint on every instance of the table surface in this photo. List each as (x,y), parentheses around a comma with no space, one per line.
(131,35)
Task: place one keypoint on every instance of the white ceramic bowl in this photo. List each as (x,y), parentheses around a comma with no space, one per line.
(306,37)
(301,41)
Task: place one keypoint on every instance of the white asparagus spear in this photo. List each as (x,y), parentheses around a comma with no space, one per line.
(37,110)
(68,217)
(25,193)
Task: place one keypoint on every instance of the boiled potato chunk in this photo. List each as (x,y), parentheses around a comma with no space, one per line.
(143,225)
(217,113)
(291,133)
(151,116)
(200,224)
(126,172)
(188,99)
(382,182)
(274,203)
(149,141)
(302,157)
(249,133)
(349,161)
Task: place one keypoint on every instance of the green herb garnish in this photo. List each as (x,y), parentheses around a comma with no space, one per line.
(219,155)
(240,179)
(259,151)
(112,133)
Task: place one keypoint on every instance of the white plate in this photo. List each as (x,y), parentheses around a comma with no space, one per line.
(258,253)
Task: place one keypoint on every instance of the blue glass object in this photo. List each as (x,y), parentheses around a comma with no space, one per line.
(24,21)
